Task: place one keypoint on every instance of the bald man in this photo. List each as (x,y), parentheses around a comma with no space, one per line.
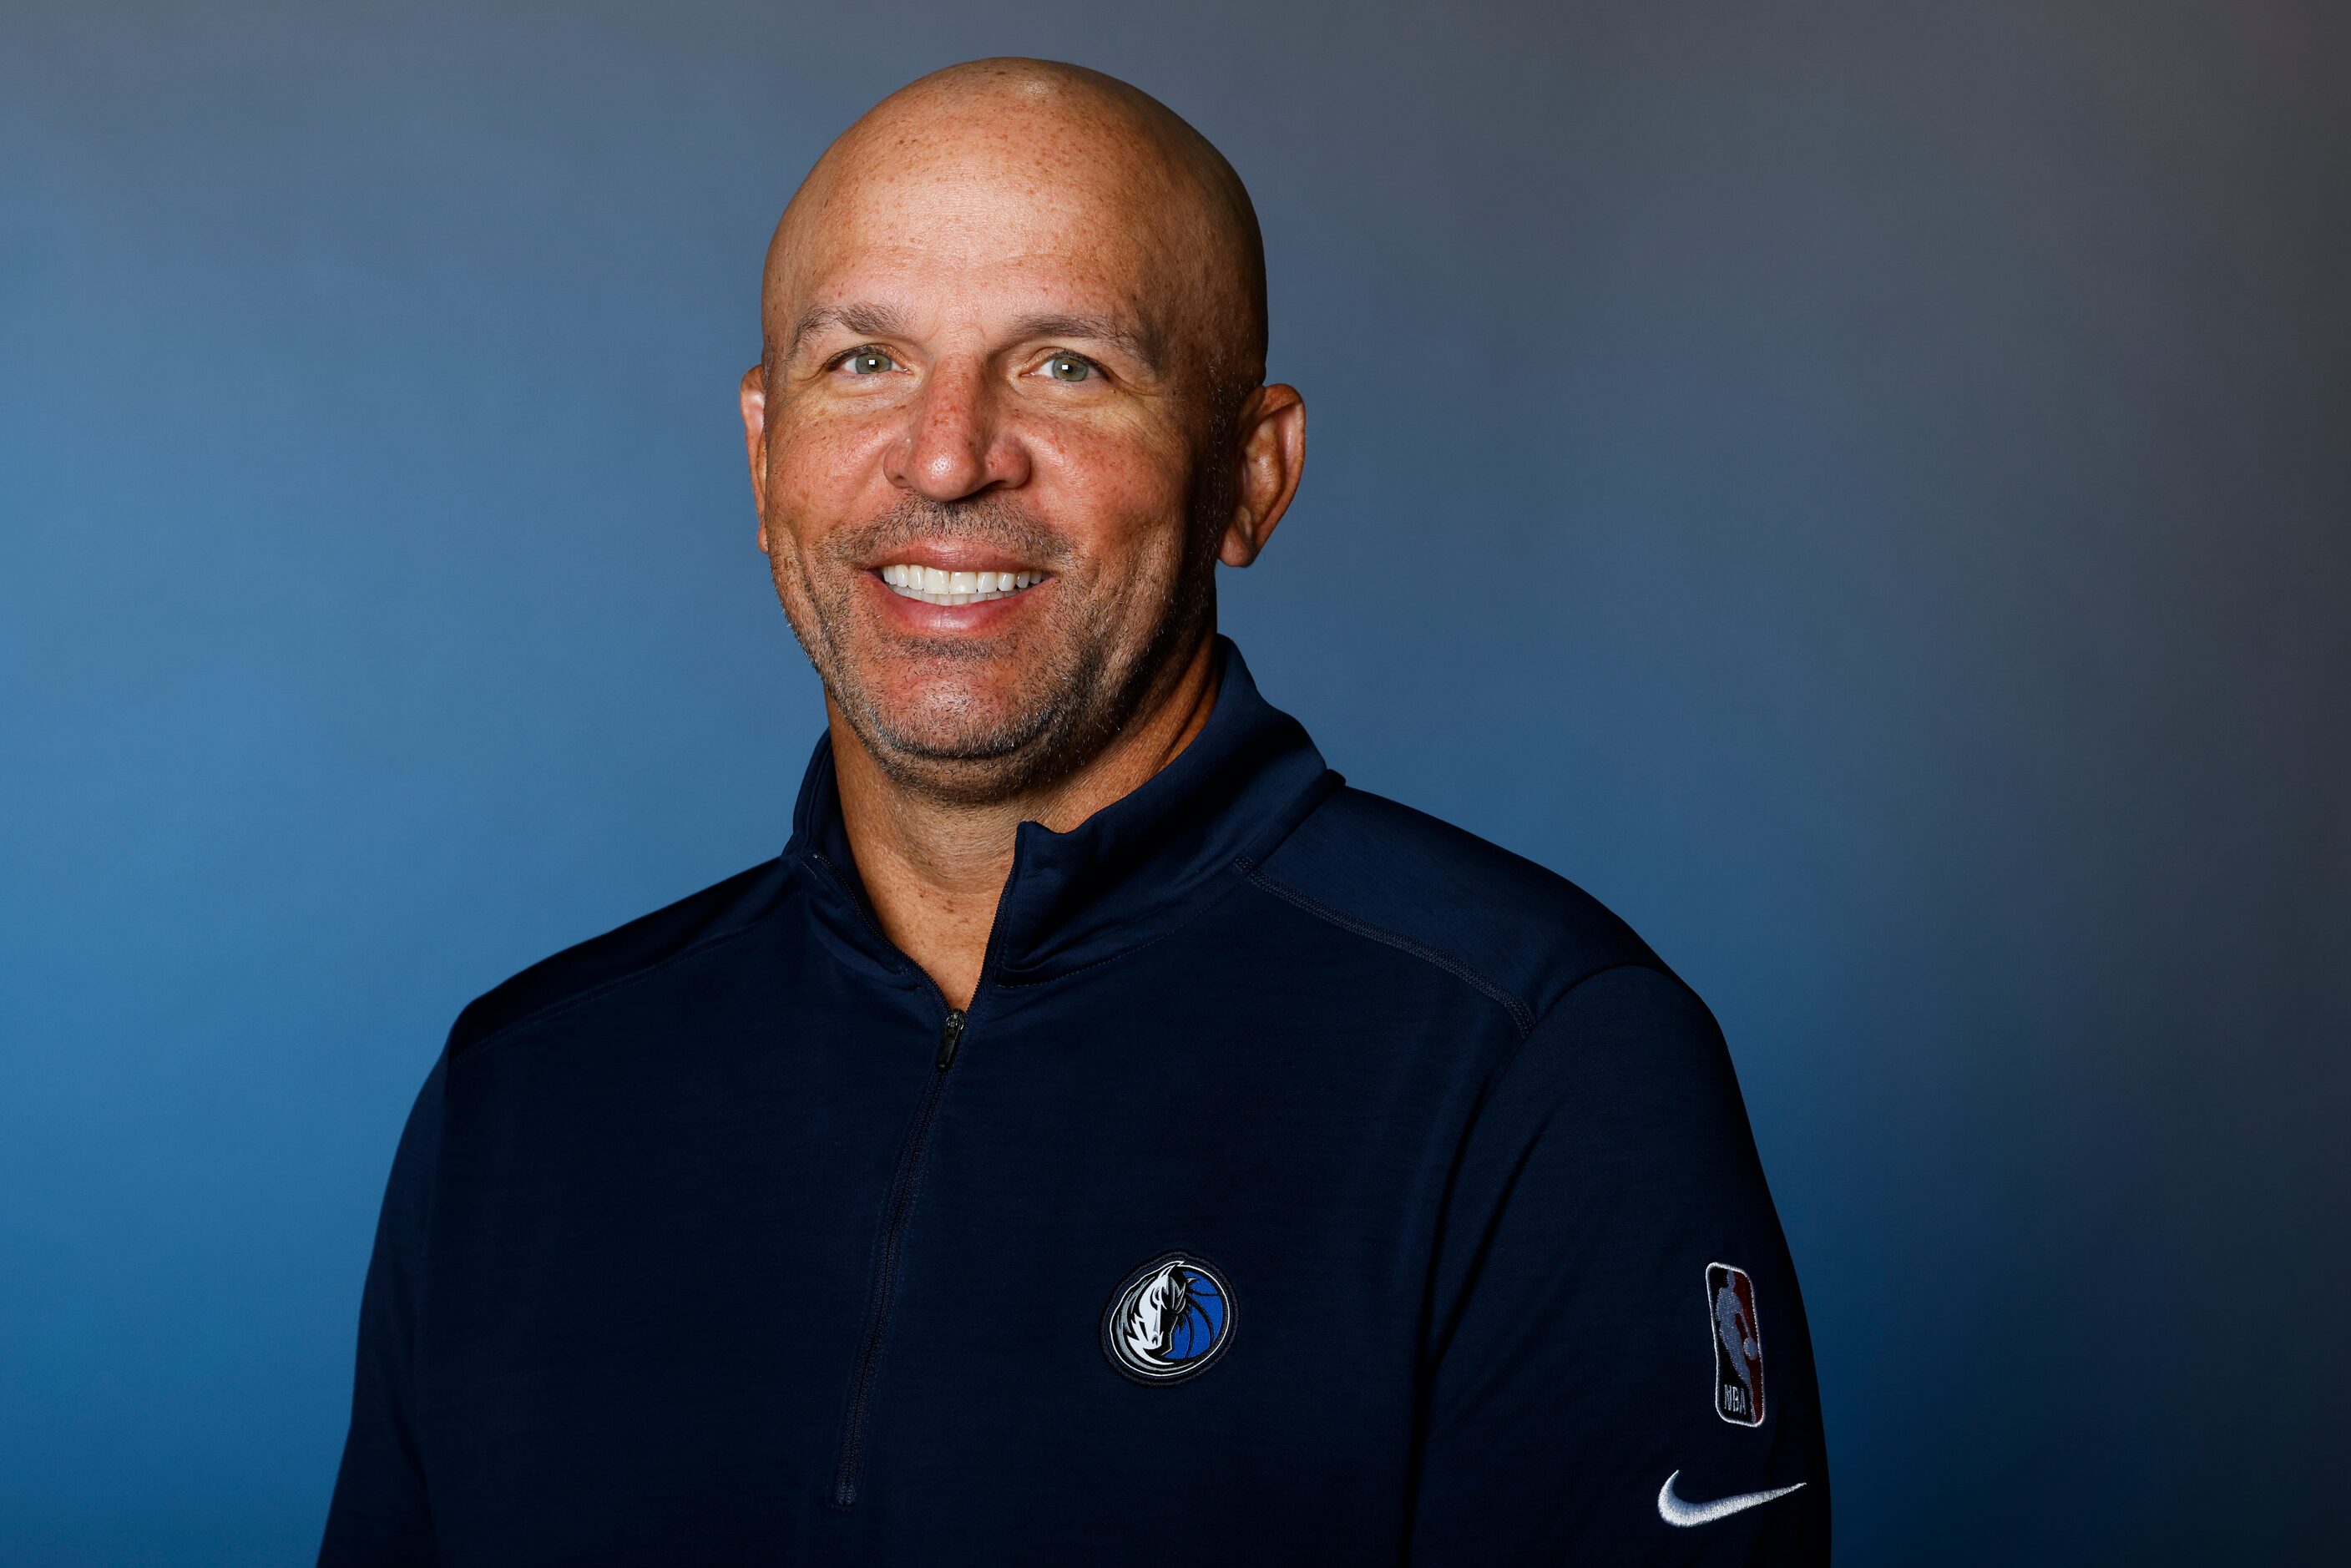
(1100,1133)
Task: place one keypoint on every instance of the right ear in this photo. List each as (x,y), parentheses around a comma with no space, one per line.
(753,392)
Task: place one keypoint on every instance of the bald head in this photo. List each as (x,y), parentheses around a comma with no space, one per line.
(1059,156)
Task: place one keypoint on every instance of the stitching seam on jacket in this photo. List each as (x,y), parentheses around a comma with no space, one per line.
(580,998)
(1519,1013)
(1437,1337)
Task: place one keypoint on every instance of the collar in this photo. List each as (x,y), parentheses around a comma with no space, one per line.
(1127,874)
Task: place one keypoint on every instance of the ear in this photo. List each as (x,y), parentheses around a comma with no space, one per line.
(1271,436)
(754,393)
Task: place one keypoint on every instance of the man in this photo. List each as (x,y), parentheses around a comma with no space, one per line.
(1101,1135)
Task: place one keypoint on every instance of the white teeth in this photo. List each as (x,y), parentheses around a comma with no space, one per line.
(933,586)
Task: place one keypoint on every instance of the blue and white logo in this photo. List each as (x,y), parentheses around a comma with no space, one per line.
(1169,1320)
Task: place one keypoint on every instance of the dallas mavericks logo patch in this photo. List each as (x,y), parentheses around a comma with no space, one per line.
(1737,1345)
(1169,1320)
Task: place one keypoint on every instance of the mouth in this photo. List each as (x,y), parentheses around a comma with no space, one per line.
(938,585)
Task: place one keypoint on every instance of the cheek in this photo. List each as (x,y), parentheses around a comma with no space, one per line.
(823,473)
(1120,495)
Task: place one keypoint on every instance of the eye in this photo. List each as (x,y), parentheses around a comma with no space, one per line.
(1068,368)
(867,362)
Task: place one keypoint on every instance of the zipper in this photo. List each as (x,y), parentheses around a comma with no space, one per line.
(897,1208)
(898,1205)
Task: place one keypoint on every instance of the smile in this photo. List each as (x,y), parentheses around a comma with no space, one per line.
(933,586)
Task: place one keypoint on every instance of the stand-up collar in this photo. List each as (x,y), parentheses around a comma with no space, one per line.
(1134,870)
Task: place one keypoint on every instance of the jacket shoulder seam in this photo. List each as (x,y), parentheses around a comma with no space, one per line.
(565,1004)
(1521,1017)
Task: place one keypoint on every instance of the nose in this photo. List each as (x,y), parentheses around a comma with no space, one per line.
(955,445)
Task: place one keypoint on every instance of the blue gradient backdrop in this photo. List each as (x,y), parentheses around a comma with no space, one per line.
(1864,488)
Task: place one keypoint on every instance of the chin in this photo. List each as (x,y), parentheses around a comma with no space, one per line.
(977,720)
(947,723)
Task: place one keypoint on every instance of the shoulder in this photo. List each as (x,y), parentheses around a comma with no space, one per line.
(1522,933)
(694,924)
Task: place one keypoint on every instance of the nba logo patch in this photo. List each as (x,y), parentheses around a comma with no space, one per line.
(1737,1345)
(1169,1320)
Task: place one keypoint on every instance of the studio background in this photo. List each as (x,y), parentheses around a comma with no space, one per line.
(1862,488)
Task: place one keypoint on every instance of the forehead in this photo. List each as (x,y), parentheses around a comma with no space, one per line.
(1016,218)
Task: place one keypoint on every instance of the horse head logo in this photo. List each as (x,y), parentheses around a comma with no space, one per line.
(1169,1320)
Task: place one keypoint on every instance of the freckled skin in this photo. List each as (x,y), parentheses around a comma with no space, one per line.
(1014,318)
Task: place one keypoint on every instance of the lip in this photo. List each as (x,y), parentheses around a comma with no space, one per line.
(917,618)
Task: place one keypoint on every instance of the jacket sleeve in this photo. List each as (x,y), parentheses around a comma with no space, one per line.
(379,1513)
(1615,1311)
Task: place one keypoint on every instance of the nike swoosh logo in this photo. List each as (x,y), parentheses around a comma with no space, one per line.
(1674,1510)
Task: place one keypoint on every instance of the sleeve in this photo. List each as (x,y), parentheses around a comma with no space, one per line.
(1617,1368)
(379,1513)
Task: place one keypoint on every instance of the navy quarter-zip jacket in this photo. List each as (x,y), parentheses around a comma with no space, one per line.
(1308,1182)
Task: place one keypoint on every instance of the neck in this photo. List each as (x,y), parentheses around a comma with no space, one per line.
(933,870)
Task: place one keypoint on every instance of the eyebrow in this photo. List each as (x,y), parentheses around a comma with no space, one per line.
(882,321)
(1140,344)
(875,320)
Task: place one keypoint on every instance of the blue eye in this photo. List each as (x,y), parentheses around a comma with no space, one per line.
(1068,368)
(869,362)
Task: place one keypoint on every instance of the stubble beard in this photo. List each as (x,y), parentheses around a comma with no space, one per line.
(1083,675)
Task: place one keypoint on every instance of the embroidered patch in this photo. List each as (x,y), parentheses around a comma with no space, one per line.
(1169,1320)
(1737,1345)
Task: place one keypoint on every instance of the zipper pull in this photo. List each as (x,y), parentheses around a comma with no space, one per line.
(950,1036)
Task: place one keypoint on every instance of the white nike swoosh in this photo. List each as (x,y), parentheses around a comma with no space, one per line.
(1674,1510)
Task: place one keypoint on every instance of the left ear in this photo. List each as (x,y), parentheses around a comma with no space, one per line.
(1272,437)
